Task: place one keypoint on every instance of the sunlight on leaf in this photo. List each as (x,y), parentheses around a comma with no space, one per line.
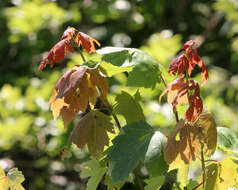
(92,130)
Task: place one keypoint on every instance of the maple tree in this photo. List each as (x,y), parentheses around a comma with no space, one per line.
(118,150)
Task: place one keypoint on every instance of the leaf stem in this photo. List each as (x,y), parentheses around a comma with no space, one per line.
(203,165)
(113,114)
(82,56)
(138,178)
(198,185)
(174,109)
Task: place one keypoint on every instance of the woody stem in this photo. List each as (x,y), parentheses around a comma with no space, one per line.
(174,109)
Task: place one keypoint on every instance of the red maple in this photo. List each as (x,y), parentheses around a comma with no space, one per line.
(86,42)
(56,54)
(187,60)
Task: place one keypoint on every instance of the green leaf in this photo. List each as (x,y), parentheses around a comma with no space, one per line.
(15,178)
(92,130)
(154,183)
(114,55)
(146,71)
(110,185)
(129,107)
(154,158)
(129,147)
(191,184)
(227,138)
(110,70)
(95,171)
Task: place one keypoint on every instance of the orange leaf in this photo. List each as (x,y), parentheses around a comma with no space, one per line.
(185,139)
(177,92)
(70,81)
(56,54)
(75,89)
(180,144)
(86,42)
(69,33)
(99,81)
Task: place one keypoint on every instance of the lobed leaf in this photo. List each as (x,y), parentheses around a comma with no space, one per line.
(15,178)
(91,130)
(56,54)
(227,138)
(186,139)
(187,60)
(69,33)
(185,92)
(95,171)
(75,90)
(86,42)
(129,107)
(222,175)
(154,183)
(145,72)
(129,147)
(154,158)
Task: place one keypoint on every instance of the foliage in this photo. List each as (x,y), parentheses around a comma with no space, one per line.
(28,134)
(12,180)
(137,143)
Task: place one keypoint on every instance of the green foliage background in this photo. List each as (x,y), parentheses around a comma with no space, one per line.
(32,141)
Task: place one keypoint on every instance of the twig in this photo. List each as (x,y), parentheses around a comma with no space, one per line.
(138,178)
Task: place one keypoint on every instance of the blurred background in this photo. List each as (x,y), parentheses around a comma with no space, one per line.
(29,137)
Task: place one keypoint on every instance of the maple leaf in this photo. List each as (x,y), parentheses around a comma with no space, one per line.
(86,42)
(99,81)
(56,54)
(206,131)
(185,92)
(91,130)
(187,60)
(177,92)
(12,180)
(69,33)
(186,139)
(75,89)
(222,175)
(195,102)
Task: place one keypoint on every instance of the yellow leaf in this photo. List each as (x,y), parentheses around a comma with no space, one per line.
(222,175)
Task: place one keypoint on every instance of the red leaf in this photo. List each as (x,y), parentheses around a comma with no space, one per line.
(70,81)
(187,60)
(69,33)
(178,65)
(86,42)
(56,54)
(188,44)
(177,92)
(185,92)
(195,103)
